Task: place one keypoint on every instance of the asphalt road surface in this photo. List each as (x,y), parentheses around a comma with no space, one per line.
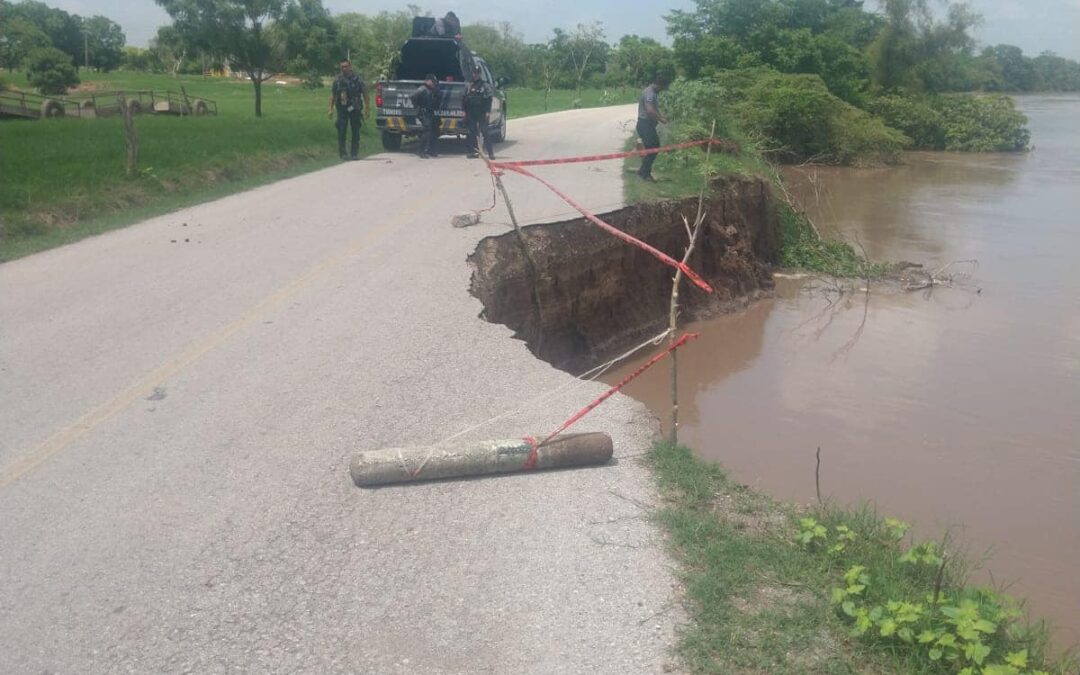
(180,399)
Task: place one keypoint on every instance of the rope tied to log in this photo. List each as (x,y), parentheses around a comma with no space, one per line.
(534,455)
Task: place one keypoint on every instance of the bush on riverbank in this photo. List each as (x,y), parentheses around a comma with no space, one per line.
(775,588)
(801,248)
(956,122)
(802,121)
(792,117)
(795,118)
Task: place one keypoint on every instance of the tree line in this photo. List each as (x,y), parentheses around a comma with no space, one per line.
(856,52)
(905,46)
(52,45)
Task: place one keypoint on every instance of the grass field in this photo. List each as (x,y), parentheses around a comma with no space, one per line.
(65,179)
(525,102)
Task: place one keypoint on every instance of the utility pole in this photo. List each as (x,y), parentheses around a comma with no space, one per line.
(86,49)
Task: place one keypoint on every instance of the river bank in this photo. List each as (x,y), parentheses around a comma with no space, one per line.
(773,587)
(759,574)
(952,407)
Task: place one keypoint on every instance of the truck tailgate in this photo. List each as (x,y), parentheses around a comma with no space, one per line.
(396,101)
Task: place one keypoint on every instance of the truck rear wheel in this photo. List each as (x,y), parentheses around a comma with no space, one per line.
(500,134)
(391,142)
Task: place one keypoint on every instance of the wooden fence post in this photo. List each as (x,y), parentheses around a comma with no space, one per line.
(131,135)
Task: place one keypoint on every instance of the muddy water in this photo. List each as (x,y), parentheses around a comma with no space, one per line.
(958,408)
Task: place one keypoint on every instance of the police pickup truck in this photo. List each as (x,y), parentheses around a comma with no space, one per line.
(450,61)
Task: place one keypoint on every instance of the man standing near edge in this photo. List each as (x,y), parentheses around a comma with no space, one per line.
(648,117)
(346,94)
(477,104)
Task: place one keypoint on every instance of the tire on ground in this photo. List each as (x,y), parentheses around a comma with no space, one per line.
(50,107)
(391,142)
(201,109)
(135,107)
(88,108)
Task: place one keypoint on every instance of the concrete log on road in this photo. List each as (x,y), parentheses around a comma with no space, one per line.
(403,465)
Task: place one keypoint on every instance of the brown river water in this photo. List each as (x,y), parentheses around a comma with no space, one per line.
(955,409)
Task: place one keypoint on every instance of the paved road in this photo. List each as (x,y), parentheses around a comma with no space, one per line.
(179,402)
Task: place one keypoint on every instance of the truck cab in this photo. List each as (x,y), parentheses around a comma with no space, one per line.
(452,63)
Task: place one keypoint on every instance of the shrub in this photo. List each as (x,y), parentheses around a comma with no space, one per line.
(982,123)
(801,248)
(790,117)
(915,116)
(860,139)
(50,70)
(793,111)
(692,105)
(803,120)
(959,122)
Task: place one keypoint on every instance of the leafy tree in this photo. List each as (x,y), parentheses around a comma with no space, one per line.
(800,119)
(701,56)
(541,60)
(171,48)
(1007,69)
(18,38)
(914,51)
(141,60)
(63,30)
(1054,73)
(50,70)
(373,42)
(175,53)
(311,42)
(852,24)
(502,47)
(581,52)
(793,36)
(104,42)
(639,59)
(238,30)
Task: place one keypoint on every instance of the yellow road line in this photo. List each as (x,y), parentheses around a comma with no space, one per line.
(155,378)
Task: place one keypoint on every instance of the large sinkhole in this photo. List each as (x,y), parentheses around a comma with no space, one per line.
(581,295)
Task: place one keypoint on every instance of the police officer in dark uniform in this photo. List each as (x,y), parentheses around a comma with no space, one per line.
(350,96)
(426,100)
(477,104)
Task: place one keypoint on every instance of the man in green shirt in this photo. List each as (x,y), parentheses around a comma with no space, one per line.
(349,95)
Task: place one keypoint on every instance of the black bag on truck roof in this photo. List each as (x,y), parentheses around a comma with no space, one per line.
(423,26)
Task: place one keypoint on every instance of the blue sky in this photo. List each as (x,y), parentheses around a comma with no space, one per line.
(1034,25)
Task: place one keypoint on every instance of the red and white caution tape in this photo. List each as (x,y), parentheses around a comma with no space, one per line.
(592,217)
(533,458)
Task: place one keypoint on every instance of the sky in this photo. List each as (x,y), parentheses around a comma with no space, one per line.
(1033,25)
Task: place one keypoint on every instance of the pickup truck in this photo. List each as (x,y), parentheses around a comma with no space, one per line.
(452,62)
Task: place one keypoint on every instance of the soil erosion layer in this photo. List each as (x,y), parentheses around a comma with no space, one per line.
(595,295)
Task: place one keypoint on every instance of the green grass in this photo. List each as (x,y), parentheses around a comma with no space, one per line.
(526,102)
(679,174)
(802,248)
(761,602)
(65,179)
